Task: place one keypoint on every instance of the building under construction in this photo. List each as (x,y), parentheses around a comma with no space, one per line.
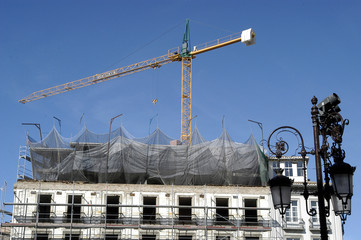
(115,186)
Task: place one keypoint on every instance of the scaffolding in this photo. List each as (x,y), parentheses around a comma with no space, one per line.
(24,170)
(120,158)
(39,214)
(4,231)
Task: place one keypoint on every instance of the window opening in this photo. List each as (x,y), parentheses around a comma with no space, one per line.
(44,210)
(222,214)
(275,165)
(300,168)
(73,208)
(149,211)
(292,212)
(250,215)
(315,219)
(288,169)
(112,212)
(185,214)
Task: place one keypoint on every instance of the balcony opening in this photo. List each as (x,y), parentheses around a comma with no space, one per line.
(72,236)
(148,237)
(223,238)
(222,213)
(111,237)
(42,236)
(250,215)
(184,237)
(185,213)
(44,210)
(73,211)
(112,212)
(149,211)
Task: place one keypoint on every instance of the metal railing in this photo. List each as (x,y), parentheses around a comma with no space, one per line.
(295,224)
(164,217)
(315,225)
(157,219)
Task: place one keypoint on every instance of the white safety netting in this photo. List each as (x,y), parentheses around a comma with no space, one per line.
(155,159)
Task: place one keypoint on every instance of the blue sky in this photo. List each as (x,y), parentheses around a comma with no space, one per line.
(304,48)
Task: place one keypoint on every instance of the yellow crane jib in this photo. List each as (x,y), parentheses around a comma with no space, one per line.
(101,77)
(247,37)
(183,54)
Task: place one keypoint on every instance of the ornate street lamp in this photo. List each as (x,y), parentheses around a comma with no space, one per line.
(281,185)
(327,122)
(281,191)
(341,175)
(341,209)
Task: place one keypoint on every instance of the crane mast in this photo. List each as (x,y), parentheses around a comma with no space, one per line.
(183,54)
(186,97)
(186,117)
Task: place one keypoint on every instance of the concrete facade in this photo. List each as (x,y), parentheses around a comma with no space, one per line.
(214,212)
(79,210)
(204,221)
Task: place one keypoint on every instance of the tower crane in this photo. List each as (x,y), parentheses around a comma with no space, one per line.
(182,54)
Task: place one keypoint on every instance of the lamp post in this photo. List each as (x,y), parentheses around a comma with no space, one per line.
(107,160)
(260,125)
(190,125)
(59,122)
(37,125)
(327,123)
